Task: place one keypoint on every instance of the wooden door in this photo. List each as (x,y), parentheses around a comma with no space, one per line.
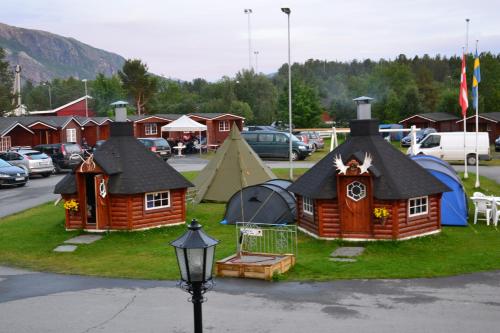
(354,197)
(102,201)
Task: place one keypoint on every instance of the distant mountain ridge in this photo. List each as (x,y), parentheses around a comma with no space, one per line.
(44,56)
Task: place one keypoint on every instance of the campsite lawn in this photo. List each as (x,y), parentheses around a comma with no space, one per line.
(29,237)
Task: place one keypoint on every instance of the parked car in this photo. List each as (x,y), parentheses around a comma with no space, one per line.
(11,175)
(449,146)
(497,144)
(64,155)
(313,138)
(98,143)
(33,161)
(276,144)
(159,146)
(406,141)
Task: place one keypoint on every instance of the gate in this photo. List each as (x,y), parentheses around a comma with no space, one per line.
(266,238)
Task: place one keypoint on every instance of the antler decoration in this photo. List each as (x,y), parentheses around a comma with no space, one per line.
(366,164)
(337,161)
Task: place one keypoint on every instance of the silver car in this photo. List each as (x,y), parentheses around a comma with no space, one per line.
(33,161)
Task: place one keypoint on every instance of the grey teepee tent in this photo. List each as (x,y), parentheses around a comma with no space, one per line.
(234,166)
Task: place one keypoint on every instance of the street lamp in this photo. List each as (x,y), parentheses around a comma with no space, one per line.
(287,11)
(248,11)
(86,100)
(50,93)
(195,252)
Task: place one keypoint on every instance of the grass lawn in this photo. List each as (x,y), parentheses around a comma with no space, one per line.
(28,239)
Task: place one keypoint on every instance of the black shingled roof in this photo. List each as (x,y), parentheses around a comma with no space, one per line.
(395,175)
(131,166)
(436,116)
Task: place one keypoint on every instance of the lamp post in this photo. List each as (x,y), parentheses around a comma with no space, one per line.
(287,11)
(50,93)
(86,99)
(248,11)
(195,252)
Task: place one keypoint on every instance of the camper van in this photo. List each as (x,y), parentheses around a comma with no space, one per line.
(449,146)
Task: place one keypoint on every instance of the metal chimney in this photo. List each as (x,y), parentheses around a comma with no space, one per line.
(364,107)
(120,111)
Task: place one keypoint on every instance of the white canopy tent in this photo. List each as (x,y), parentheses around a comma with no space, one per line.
(185,124)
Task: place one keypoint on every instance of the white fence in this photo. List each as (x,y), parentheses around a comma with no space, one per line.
(266,238)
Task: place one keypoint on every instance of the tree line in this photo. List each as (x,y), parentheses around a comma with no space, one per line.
(401,87)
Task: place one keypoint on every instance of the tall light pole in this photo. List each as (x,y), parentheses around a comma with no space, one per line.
(50,93)
(86,99)
(287,11)
(248,11)
(256,61)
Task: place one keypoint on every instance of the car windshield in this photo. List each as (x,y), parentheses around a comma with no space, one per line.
(161,142)
(72,148)
(294,138)
(4,164)
(35,155)
(147,143)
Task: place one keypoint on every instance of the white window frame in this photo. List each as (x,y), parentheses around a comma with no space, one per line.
(224,126)
(150,128)
(154,200)
(308,205)
(71,134)
(412,203)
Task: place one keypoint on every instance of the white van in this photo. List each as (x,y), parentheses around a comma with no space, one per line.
(449,146)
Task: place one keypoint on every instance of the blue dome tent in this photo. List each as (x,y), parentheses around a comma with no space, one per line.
(454,208)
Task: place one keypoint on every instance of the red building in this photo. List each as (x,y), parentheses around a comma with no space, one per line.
(123,186)
(341,196)
(77,107)
(488,122)
(440,121)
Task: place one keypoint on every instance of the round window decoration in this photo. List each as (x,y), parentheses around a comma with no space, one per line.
(356,191)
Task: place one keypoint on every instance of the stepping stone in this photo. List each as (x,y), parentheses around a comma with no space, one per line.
(350,251)
(65,248)
(343,259)
(83,239)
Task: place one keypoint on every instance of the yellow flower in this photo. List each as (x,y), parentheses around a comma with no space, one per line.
(380,212)
(71,205)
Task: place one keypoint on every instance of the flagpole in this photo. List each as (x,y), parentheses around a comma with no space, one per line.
(477,120)
(466,174)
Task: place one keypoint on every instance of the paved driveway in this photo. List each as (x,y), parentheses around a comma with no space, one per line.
(39,302)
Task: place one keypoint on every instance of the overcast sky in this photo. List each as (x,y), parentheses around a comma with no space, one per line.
(187,39)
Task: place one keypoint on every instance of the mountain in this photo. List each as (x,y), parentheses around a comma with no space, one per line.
(44,56)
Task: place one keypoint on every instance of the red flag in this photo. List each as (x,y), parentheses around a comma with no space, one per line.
(462,99)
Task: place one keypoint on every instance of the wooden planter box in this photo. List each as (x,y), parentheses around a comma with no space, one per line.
(254,265)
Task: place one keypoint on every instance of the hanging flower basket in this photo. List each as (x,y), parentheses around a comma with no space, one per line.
(381,215)
(71,205)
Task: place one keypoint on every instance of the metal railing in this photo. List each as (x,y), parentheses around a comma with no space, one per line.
(266,238)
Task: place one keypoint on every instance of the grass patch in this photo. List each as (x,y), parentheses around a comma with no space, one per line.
(28,239)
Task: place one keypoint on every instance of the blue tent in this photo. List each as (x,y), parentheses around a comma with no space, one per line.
(454,210)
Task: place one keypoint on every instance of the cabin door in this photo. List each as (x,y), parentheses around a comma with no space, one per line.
(354,197)
(102,201)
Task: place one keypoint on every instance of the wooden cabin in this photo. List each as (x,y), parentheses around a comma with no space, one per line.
(440,121)
(338,197)
(124,186)
(488,122)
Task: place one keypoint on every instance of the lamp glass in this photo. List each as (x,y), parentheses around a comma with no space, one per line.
(181,259)
(195,263)
(209,260)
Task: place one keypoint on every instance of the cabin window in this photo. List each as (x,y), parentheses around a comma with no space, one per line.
(224,126)
(71,135)
(418,206)
(308,205)
(157,200)
(150,128)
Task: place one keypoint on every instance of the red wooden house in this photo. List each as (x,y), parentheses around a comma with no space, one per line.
(339,196)
(488,122)
(218,125)
(124,186)
(78,107)
(442,122)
